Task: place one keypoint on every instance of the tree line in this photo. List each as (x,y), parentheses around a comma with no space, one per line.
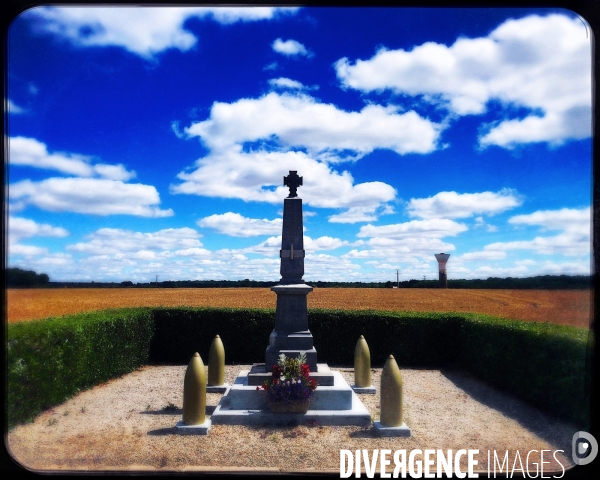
(15,277)
(18,278)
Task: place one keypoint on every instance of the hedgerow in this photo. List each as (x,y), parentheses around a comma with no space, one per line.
(544,364)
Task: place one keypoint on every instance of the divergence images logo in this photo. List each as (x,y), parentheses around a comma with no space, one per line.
(584,448)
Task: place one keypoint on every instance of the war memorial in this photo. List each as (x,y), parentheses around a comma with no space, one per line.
(332,402)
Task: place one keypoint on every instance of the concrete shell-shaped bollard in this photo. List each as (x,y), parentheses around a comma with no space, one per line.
(391,395)
(216,363)
(362,364)
(194,392)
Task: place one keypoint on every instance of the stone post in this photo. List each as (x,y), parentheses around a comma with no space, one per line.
(362,364)
(391,414)
(216,363)
(194,392)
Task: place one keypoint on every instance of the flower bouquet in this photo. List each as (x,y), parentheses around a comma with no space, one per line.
(290,388)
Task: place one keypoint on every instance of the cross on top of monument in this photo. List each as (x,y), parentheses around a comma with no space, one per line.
(293,181)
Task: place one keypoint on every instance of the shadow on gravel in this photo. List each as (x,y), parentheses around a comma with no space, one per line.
(163,431)
(176,411)
(550,429)
(364,433)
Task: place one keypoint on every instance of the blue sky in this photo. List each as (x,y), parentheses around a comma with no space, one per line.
(153,141)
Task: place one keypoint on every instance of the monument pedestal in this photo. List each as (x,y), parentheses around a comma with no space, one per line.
(291,335)
(336,404)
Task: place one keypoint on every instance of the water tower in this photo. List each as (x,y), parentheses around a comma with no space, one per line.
(442,258)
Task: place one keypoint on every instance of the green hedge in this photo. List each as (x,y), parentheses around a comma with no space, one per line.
(50,360)
(543,364)
(179,332)
(415,339)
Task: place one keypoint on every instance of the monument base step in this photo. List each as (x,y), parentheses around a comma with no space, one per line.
(338,405)
(200,429)
(401,431)
(217,388)
(258,374)
(370,390)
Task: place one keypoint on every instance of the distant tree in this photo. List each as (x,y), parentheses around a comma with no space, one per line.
(127,283)
(17,277)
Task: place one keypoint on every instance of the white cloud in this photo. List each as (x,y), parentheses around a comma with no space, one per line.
(435,228)
(33,153)
(14,108)
(554,128)
(355,215)
(330,268)
(113,172)
(144,31)
(290,48)
(193,252)
(30,152)
(283,82)
(574,240)
(323,129)
(462,205)
(540,63)
(486,255)
(26,250)
(228,15)
(272,245)
(20,228)
(55,259)
(258,176)
(88,195)
(406,249)
(253,143)
(323,243)
(487,271)
(236,225)
(405,242)
(575,221)
(480,223)
(557,245)
(361,214)
(115,241)
(564,268)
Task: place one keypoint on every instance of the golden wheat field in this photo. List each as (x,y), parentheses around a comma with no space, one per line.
(566,307)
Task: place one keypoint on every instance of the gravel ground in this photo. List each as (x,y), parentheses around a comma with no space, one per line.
(123,425)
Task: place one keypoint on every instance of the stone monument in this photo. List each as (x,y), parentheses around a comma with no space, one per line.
(333,402)
(291,334)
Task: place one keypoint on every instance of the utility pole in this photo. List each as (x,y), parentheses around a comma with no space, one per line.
(157,280)
(397,278)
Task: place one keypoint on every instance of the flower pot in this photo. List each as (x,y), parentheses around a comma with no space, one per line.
(296,406)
